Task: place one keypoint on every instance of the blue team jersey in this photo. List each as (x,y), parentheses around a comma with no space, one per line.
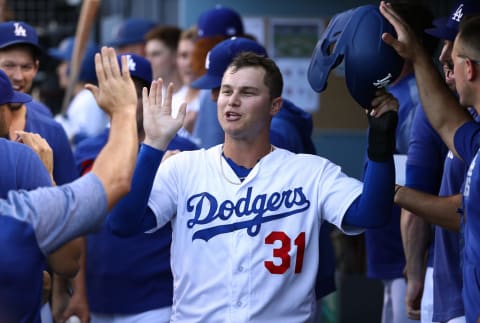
(63,162)
(447,274)
(20,168)
(426,155)
(25,232)
(467,144)
(385,256)
(141,281)
(291,129)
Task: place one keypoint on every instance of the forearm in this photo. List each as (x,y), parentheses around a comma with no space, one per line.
(129,215)
(416,238)
(441,107)
(114,165)
(438,210)
(373,208)
(79,281)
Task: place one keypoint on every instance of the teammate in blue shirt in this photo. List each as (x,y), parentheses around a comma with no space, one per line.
(19,52)
(36,223)
(456,127)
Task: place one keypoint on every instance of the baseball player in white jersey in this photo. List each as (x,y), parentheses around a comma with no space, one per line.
(246,215)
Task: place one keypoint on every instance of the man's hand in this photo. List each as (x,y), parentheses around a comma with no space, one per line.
(116,90)
(406,44)
(382,103)
(413,297)
(40,146)
(159,125)
(382,121)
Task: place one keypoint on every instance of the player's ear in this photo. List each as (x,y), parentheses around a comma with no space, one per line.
(276,105)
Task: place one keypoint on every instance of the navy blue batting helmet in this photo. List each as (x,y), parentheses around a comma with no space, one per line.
(355,36)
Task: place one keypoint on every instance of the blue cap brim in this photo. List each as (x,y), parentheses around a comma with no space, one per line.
(36,48)
(58,54)
(207,82)
(18,97)
(442,32)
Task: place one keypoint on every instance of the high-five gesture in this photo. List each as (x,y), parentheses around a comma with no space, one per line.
(159,125)
(406,43)
(115,91)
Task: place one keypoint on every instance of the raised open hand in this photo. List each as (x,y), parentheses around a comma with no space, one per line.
(159,125)
(116,90)
(406,44)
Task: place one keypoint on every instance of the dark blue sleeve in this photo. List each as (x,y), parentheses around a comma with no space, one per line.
(426,155)
(31,173)
(131,214)
(283,135)
(373,207)
(467,141)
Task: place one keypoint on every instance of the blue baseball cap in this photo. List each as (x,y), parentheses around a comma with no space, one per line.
(8,95)
(221,56)
(219,21)
(131,31)
(138,66)
(370,63)
(448,28)
(64,52)
(18,32)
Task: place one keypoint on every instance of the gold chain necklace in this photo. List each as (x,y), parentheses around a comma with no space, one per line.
(241,179)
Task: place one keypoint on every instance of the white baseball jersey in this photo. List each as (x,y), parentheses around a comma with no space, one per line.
(247,251)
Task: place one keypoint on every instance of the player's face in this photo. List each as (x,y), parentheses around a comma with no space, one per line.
(20,67)
(184,60)
(244,105)
(445,59)
(162,58)
(460,71)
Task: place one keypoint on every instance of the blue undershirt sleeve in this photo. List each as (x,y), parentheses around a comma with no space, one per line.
(373,208)
(132,215)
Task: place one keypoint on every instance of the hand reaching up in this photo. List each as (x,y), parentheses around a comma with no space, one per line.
(116,91)
(159,125)
(406,44)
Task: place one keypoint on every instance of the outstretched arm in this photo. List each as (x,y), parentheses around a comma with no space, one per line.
(132,215)
(374,206)
(439,210)
(440,106)
(116,95)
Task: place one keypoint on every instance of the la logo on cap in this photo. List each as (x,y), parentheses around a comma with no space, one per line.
(19,31)
(458,14)
(132,66)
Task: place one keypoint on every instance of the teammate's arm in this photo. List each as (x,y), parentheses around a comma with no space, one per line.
(439,210)
(132,215)
(368,210)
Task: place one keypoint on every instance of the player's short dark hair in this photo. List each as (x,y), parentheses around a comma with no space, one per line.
(273,77)
(170,35)
(419,17)
(469,34)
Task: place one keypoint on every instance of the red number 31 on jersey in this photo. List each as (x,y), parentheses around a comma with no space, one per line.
(283,252)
